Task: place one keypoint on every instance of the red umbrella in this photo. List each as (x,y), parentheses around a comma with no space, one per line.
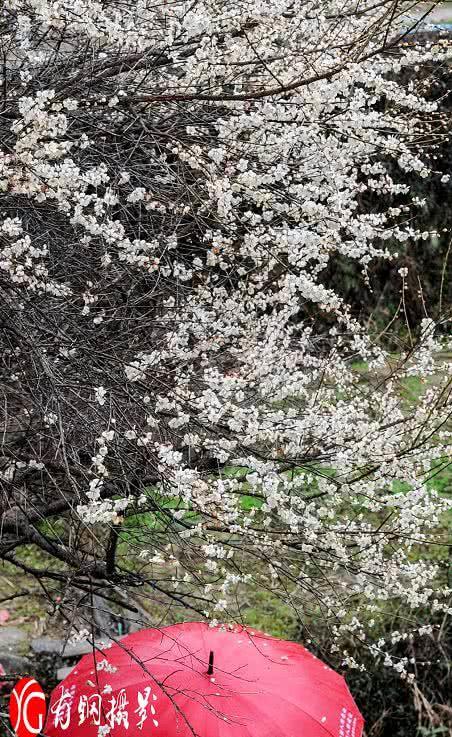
(192,680)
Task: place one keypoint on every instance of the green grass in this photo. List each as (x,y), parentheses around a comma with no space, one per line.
(266,612)
(440,477)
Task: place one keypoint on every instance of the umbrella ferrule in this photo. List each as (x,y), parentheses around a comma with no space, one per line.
(210,668)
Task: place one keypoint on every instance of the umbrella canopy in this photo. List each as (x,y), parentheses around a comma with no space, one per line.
(192,680)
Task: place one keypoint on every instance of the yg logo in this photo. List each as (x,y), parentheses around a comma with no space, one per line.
(27,708)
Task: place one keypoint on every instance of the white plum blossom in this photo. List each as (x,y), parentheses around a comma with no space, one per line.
(100,394)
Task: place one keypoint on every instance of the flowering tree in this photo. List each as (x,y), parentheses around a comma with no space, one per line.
(175,179)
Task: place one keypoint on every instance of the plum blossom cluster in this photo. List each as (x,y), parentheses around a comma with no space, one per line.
(175,180)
